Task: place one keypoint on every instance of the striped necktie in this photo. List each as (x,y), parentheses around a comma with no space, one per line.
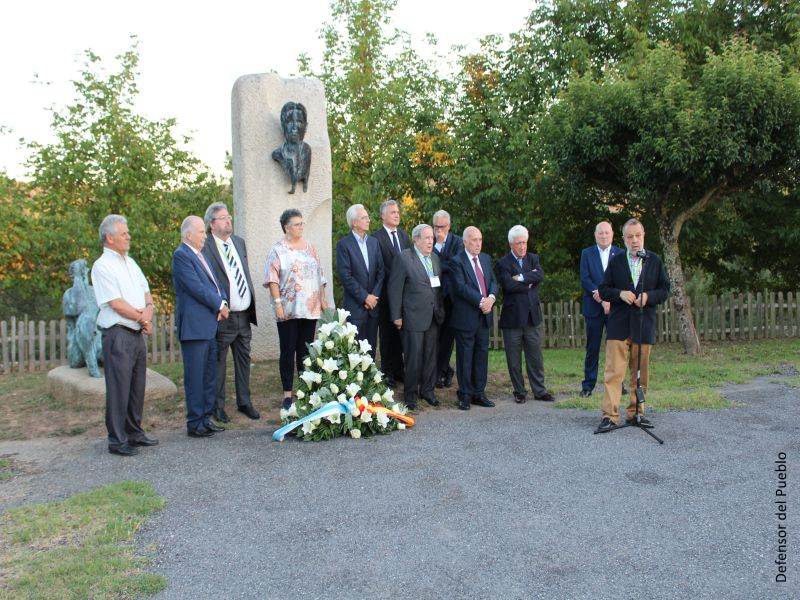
(241,283)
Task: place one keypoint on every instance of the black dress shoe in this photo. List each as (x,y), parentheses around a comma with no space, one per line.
(431,400)
(411,405)
(144,441)
(643,421)
(482,401)
(520,398)
(200,432)
(123,450)
(605,425)
(546,397)
(248,410)
(286,403)
(585,393)
(440,382)
(463,404)
(221,416)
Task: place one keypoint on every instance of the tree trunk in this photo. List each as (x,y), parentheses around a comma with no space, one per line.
(672,263)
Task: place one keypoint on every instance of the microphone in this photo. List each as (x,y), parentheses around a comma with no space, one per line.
(641,254)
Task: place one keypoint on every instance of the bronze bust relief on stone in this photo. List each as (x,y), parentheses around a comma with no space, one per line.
(294,154)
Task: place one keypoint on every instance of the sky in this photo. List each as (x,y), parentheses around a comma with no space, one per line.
(190,55)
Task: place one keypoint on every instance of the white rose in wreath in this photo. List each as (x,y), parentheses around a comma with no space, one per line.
(342,375)
(355,433)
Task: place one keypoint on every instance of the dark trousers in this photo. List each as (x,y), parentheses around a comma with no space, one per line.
(293,335)
(594,337)
(472,362)
(234,332)
(420,352)
(125,366)
(199,380)
(367,330)
(444,351)
(529,340)
(392,347)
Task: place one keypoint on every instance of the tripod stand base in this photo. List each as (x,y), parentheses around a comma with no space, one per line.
(645,428)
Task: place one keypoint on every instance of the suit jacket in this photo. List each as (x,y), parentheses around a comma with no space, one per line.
(411,296)
(520,298)
(452,246)
(358,283)
(388,253)
(623,320)
(592,277)
(466,295)
(217,264)
(196,296)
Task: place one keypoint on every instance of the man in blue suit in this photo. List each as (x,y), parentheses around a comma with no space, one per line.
(473,290)
(360,267)
(594,261)
(201,303)
(447,245)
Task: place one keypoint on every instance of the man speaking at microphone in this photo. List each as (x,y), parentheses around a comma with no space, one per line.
(635,283)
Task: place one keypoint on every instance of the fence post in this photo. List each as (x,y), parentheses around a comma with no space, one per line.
(172,337)
(31,346)
(53,345)
(21,355)
(42,346)
(62,330)
(5,367)
(13,344)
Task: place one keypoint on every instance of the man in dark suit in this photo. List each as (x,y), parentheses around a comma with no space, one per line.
(473,291)
(417,311)
(360,268)
(594,261)
(227,255)
(446,246)
(200,304)
(392,241)
(520,274)
(630,283)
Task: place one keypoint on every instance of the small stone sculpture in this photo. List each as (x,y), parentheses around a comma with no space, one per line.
(84,341)
(294,154)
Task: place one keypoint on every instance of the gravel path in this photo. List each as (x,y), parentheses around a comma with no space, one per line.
(512,502)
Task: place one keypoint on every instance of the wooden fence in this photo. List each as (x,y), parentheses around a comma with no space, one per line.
(28,346)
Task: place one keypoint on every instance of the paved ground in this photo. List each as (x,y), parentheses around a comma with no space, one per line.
(512,502)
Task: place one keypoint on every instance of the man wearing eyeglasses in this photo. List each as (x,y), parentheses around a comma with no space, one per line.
(227,255)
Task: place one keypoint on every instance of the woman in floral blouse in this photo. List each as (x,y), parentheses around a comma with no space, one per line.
(296,284)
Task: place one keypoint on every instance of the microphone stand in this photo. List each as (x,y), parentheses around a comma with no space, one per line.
(636,421)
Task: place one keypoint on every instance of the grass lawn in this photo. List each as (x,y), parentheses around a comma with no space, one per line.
(678,382)
(81,547)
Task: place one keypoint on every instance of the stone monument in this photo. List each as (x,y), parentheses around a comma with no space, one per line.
(261,187)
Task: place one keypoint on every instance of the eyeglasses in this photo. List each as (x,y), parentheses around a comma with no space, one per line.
(298,224)
(225,218)
(441,226)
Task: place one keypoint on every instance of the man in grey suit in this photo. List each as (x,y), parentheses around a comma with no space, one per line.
(417,310)
(227,255)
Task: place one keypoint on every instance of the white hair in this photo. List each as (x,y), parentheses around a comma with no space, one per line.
(212,211)
(186,226)
(441,214)
(109,226)
(416,233)
(352,214)
(515,232)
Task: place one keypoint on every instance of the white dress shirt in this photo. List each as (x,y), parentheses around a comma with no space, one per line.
(604,256)
(475,270)
(362,245)
(117,277)
(237,302)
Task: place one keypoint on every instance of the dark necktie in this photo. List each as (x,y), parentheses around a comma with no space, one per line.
(395,243)
(479,274)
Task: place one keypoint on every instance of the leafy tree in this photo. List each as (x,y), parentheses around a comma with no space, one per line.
(105,159)
(666,138)
(385,106)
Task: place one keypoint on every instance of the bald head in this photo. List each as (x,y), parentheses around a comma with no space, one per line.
(603,234)
(473,240)
(193,232)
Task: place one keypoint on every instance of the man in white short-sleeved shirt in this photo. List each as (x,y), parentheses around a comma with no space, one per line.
(126,313)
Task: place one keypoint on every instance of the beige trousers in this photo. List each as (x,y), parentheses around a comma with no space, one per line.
(622,355)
